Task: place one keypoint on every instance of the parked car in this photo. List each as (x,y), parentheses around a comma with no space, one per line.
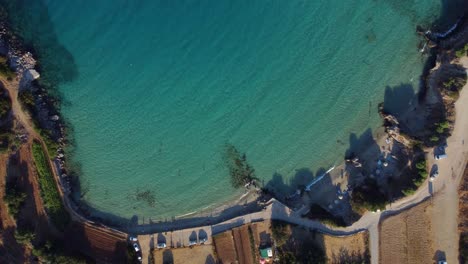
(136,247)
(161,245)
(441,156)
(192,242)
(133,239)
(442,262)
(434,174)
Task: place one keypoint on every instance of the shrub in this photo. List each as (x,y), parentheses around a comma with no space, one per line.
(434,139)
(421,165)
(5,107)
(49,191)
(279,231)
(368,197)
(53,252)
(5,70)
(14,198)
(461,52)
(24,236)
(319,213)
(26,98)
(409,191)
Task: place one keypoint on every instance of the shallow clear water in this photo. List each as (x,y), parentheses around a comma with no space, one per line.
(162,86)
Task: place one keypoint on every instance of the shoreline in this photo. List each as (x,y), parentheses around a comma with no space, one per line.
(61,157)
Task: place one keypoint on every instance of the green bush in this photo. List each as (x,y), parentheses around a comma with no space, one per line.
(279,231)
(53,252)
(5,70)
(14,198)
(434,139)
(409,191)
(49,191)
(5,107)
(318,213)
(24,236)
(26,98)
(368,197)
(421,165)
(461,52)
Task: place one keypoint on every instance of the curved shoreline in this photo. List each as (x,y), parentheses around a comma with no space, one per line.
(71,204)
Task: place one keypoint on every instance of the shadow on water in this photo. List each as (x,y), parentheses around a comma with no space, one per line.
(398,99)
(30,20)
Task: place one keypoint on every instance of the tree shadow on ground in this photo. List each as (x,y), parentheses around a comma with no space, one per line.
(168,257)
(439,255)
(345,256)
(210,260)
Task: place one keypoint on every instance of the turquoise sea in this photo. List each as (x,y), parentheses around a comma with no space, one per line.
(154,90)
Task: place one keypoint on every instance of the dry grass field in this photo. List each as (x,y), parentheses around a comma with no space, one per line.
(407,237)
(242,243)
(225,250)
(346,249)
(197,254)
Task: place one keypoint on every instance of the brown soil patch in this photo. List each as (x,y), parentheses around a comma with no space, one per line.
(197,254)
(96,242)
(242,243)
(224,245)
(407,237)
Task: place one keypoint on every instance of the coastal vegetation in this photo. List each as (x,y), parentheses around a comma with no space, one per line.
(24,236)
(279,231)
(53,252)
(14,198)
(49,191)
(5,120)
(318,213)
(5,105)
(368,196)
(462,52)
(26,98)
(297,250)
(5,70)
(240,170)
